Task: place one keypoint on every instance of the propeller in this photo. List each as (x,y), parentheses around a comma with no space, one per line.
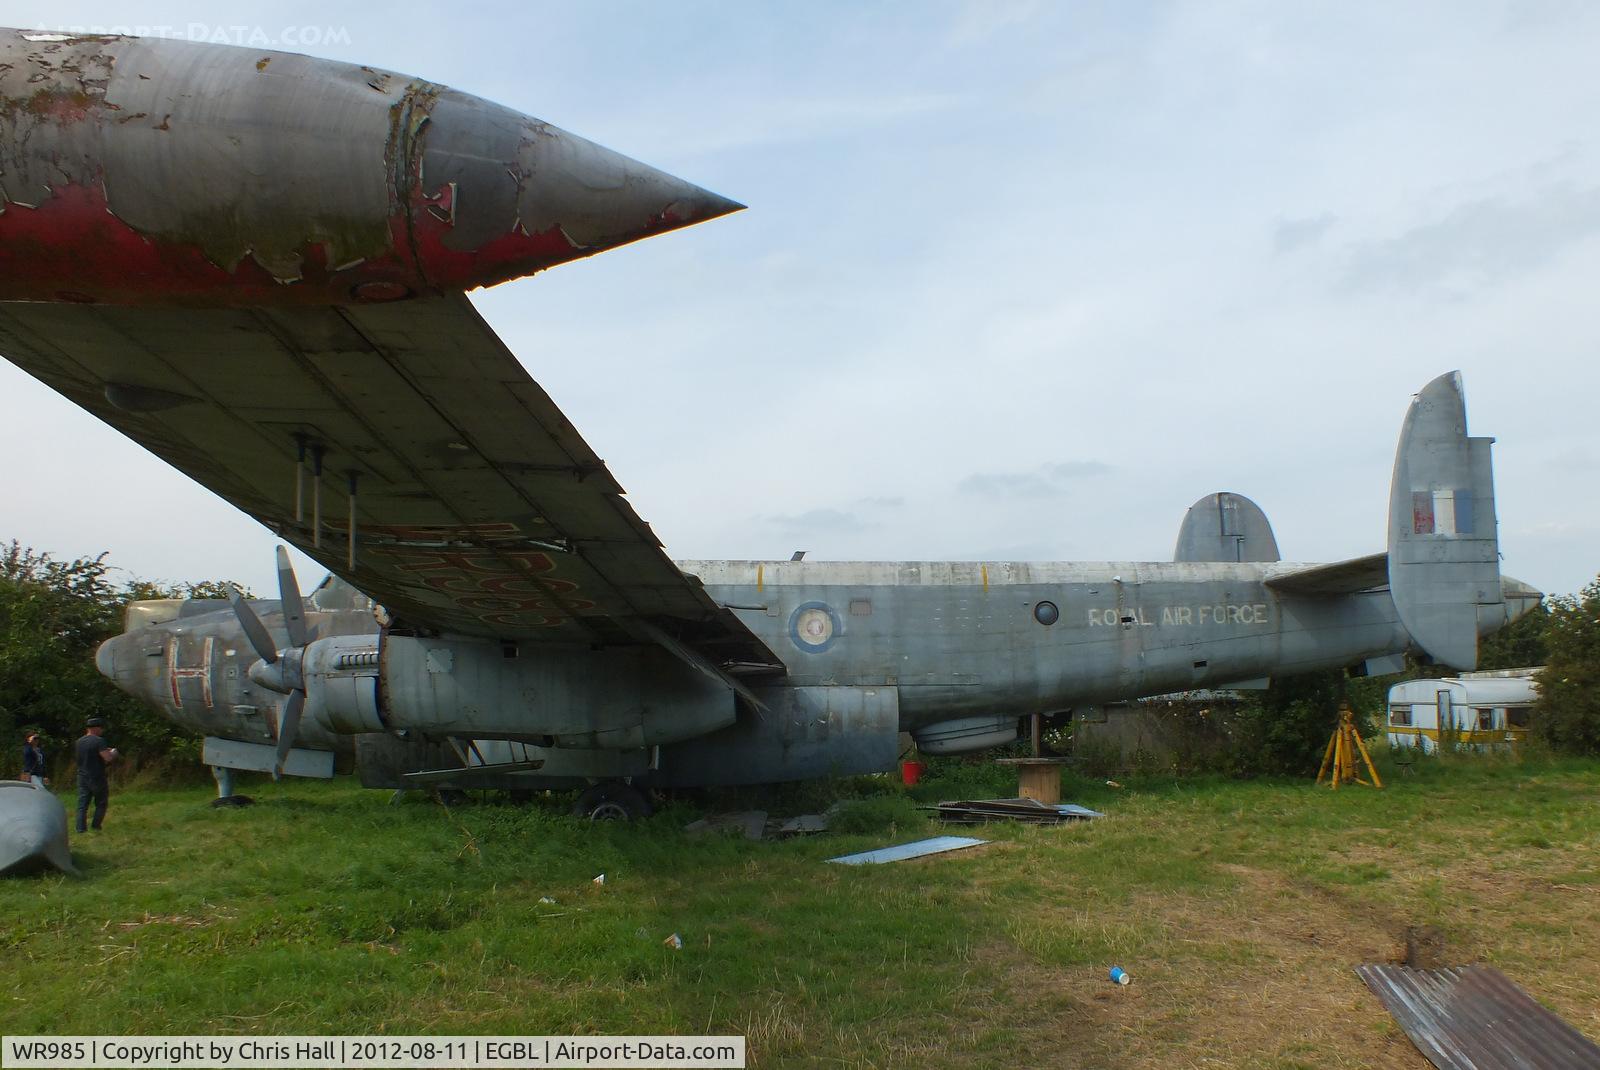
(279,670)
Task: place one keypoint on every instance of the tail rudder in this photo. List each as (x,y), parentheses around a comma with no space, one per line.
(1444,550)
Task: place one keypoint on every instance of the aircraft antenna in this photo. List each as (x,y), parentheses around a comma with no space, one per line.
(300,478)
(350,549)
(316,497)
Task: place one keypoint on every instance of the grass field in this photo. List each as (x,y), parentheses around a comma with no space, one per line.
(1239,909)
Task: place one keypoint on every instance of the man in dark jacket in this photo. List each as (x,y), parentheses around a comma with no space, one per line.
(93,754)
(33,760)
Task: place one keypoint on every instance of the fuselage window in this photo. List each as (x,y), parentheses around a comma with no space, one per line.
(1046,613)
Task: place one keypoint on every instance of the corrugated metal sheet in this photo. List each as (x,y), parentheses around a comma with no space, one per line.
(1475,1018)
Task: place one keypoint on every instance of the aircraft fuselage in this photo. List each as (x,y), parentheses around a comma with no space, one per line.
(965,638)
(952,652)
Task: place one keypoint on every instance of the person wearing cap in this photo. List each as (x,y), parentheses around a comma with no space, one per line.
(33,760)
(93,754)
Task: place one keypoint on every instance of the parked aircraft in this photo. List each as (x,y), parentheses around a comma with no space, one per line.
(253,264)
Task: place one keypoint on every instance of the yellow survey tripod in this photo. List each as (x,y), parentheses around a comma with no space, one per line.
(1342,750)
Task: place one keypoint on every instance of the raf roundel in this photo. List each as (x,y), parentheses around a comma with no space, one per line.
(813,626)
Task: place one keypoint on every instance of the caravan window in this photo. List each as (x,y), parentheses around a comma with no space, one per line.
(1400,716)
(1517,716)
(1485,718)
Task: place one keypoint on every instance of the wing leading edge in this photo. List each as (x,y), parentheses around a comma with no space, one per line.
(478,509)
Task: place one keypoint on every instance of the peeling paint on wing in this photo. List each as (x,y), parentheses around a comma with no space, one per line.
(174,171)
(255,192)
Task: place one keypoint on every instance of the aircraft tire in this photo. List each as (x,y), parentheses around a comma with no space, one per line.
(613,800)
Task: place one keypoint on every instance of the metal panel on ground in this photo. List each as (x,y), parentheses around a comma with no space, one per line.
(936,845)
(1476,1018)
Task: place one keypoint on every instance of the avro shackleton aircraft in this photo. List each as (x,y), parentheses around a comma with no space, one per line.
(254,265)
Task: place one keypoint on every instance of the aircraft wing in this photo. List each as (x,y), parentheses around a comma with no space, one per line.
(1341,577)
(478,509)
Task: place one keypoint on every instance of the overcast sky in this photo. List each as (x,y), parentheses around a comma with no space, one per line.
(1017,281)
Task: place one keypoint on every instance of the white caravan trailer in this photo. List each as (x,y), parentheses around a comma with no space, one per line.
(1479,709)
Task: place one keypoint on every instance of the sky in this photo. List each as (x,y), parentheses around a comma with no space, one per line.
(1018,281)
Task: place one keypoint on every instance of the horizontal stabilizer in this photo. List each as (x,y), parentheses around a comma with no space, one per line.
(1341,577)
(1444,550)
(1225,527)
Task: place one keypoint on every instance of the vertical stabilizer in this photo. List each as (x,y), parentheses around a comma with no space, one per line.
(1225,527)
(1444,552)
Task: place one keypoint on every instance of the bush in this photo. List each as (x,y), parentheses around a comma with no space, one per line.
(1285,729)
(53,616)
(1568,714)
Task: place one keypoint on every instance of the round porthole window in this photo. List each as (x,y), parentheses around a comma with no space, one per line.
(1046,613)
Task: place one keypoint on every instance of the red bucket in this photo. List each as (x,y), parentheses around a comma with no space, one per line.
(911,772)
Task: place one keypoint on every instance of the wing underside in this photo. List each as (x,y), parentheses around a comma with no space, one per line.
(478,509)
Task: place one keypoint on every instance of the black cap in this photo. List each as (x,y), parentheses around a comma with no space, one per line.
(95,722)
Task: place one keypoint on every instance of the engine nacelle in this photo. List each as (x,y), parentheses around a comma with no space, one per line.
(342,684)
(618,699)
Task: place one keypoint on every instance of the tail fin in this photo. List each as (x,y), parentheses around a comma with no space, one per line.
(1225,527)
(1444,550)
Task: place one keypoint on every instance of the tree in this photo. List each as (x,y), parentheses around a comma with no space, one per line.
(53,616)
(1568,713)
(1518,645)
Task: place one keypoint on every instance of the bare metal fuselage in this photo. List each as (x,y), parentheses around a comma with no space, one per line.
(963,638)
(872,650)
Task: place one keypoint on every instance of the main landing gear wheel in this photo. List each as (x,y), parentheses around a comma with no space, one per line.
(613,801)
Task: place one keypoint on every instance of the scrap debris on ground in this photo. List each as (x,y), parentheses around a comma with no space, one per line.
(752,824)
(757,825)
(1477,1018)
(1029,811)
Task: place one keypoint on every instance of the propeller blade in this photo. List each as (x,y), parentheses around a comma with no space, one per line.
(294,611)
(288,727)
(254,630)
